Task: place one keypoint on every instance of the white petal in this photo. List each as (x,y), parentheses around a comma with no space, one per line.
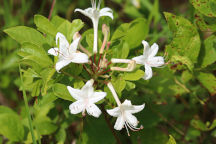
(61,64)
(154,49)
(127,103)
(146,48)
(93,110)
(75,93)
(119,123)
(53,51)
(77,107)
(139,59)
(63,43)
(106,9)
(137,108)
(114,112)
(79,57)
(109,14)
(131,119)
(148,72)
(97,96)
(74,45)
(156,61)
(88,89)
(87,12)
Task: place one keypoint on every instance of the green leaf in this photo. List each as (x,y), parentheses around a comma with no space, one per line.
(208,54)
(133,76)
(198,124)
(171,140)
(24,34)
(11,127)
(205,23)
(44,25)
(57,21)
(137,32)
(36,54)
(121,50)
(4,109)
(120,31)
(45,127)
(61,91)
(208,80)
(119,84)
(129,86)
(133,33)
(184,60)
(69,29)
(206,7)
(186,41)
(47,75)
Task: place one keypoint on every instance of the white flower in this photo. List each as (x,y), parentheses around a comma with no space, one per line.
(86,99)
(149,59)
(67,53)
(125,118)
(94,13)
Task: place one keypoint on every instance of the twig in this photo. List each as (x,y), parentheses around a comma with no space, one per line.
(110,126)
(51,10)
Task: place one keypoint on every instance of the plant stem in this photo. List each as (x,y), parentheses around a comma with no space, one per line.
(27,107)
(51,10)
(110,126)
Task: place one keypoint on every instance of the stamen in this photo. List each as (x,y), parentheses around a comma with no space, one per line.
(133,128)
(127,129)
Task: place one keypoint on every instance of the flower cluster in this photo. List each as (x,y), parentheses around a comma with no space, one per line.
(87,97)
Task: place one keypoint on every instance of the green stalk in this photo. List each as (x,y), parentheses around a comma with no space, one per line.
(27,107)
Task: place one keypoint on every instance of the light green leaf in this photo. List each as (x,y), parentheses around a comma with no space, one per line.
(208,80)
(11,127)
(45,127)
(198,124)
(133,33)
(46,75)
(121,50)
(36,54)
(184,60)
(61,91)
(208,54)
(44,25)
(4,109)
(136,32)
(133,76)
(119,84)
(57,21)
(206,7)
(186,41)
(24,34)
(171,140)
(68,29)
(129,86)
(205,23)
(120,31)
